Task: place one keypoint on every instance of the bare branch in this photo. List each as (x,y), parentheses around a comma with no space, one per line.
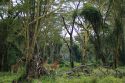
(75,16)
(108,10)
(65,26)
(66,41)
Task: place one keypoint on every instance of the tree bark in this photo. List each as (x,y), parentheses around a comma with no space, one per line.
(71,52)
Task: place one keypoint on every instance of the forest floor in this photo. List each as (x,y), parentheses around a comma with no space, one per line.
(98,75)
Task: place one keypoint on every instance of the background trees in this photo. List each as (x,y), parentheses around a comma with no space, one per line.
(34,31)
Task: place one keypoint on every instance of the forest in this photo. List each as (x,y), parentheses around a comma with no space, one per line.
(62,41)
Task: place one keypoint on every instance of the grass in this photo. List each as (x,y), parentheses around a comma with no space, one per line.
(7,77)
(96,77)
(83,79)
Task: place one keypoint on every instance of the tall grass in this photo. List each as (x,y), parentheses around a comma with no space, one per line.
(83,79)
(61,77)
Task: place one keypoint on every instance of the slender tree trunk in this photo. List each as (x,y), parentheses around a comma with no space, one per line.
(123,38)
(98,45)
(71,52)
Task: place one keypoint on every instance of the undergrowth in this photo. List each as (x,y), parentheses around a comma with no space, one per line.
(61,77)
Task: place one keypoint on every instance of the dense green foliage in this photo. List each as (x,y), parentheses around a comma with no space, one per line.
(92,14)
(40,40)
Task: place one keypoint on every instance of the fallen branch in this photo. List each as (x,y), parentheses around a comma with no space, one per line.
(81,68)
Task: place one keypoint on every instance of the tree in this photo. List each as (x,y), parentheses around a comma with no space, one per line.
(117,14)
(35,15)
(91,14)
(70,32)
(9,35)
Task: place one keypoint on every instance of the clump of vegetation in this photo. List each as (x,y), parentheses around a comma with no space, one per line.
(91,14)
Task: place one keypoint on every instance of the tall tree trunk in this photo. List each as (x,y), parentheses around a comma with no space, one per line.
(123,38)
(98,45)
(71,52)
(123,22)
(100,53)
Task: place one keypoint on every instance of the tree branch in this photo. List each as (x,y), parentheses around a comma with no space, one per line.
(66,42)
(65,26)
(107,12)
(74,17)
